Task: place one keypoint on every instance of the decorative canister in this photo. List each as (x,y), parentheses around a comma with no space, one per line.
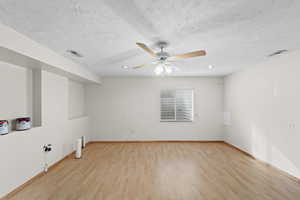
(3,127)
(23,123)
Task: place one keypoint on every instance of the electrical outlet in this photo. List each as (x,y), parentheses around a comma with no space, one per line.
(275,92)
(47,148)
(292,125)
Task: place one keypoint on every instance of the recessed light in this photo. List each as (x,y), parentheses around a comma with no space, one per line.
(210,66)
(125,67)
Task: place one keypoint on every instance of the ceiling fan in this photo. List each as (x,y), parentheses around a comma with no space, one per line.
(163,60)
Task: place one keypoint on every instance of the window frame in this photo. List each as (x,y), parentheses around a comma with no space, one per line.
(192,104)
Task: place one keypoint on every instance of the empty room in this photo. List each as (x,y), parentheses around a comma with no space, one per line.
(149,100)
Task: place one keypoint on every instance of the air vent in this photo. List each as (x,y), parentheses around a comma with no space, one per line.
(75,53)
(278,52)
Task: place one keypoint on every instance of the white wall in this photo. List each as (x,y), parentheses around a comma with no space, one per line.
(265,113)
(77,99)
(15,95)
(21,152)
(129,109)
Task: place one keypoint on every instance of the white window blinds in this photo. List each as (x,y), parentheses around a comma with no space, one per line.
(176,105)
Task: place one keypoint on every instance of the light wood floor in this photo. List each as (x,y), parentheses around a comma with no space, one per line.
(161,171)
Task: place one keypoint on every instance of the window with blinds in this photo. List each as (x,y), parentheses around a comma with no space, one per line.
(176,105)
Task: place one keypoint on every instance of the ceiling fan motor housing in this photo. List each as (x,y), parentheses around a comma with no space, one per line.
(162,56)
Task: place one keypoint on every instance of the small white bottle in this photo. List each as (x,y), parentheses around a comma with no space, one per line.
(78,148)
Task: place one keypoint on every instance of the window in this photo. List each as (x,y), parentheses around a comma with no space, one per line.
(176,105)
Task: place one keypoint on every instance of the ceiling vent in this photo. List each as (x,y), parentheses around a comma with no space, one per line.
(278,52)
(75,53)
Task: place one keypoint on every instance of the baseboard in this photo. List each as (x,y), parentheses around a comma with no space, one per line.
(21,187)
(295,179)
(157,141)
(240,150)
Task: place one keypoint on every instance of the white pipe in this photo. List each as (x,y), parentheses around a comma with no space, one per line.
(46,162)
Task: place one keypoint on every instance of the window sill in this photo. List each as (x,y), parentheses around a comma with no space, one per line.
(176,121)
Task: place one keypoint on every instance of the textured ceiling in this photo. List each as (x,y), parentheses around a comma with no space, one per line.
(235,33)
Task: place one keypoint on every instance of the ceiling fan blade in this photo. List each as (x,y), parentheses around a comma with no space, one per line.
(143,46)
(187,55)
(139,66)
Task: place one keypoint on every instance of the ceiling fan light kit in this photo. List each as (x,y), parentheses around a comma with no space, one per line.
(163,60)
(163,69)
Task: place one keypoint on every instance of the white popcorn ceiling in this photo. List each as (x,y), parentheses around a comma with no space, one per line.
(235,33)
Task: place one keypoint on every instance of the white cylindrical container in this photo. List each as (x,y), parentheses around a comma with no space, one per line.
(83,141)
(78,148)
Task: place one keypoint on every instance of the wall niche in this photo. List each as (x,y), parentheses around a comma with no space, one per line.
(20,95)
